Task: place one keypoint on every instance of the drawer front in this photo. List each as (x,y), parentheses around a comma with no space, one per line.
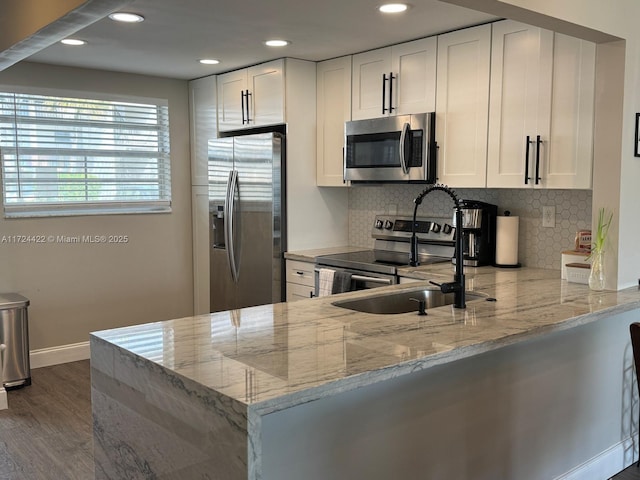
(301,273)
(296,291)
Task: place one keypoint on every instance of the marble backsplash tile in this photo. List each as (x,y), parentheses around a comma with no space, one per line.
(538,246)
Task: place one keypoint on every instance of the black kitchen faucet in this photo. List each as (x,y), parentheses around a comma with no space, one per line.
(458,284)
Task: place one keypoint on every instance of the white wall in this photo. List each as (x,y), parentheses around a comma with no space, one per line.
(78,288)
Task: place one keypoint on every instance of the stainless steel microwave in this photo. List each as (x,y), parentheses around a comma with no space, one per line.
(391,149)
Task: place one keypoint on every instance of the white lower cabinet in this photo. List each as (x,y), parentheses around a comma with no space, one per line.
(300,280)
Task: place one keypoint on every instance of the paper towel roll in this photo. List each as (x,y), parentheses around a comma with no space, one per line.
(507,241)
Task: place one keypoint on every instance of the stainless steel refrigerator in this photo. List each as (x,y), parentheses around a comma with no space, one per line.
(246,220)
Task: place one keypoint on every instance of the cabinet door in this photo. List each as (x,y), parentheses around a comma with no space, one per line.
(203,118)
(230,103)
(414,65)
(300,278)
(368,84)
(333,104)
(200,227)
(266,86)
(570,155)
(462,104)
(521,68)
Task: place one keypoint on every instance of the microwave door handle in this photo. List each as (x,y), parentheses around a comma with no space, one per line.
(403,140)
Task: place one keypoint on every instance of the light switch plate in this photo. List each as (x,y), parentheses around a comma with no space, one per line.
(549,216)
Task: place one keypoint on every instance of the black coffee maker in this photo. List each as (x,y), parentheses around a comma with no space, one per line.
(479,232)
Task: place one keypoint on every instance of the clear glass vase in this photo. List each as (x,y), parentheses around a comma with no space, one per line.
(596,277)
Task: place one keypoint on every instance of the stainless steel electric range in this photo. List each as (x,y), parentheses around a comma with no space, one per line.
(392,240)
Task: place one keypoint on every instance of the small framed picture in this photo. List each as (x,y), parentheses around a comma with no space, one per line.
(637,148)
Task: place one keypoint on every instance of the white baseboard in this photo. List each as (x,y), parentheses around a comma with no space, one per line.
(46,357)
(604,465)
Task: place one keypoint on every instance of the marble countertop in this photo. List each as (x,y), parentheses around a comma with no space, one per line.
(274,357)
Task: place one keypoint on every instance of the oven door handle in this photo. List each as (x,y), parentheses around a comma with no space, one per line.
(364,278)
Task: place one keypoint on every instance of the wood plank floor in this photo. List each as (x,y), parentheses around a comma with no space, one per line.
(46,432)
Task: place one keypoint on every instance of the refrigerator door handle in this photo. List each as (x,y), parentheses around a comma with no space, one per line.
(229,224)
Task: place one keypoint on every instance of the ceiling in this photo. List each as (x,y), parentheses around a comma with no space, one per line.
(176,34)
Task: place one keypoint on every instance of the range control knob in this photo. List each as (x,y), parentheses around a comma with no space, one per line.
(446,229)
(435,227)
(378,224)
(388,224)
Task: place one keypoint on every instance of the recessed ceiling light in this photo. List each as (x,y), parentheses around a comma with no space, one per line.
(126,17)
(76,42)
(393,7)
(277,43)
(209,61)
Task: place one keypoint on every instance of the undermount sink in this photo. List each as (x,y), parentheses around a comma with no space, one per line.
(402,302)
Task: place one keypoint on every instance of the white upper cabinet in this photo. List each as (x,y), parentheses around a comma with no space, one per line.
(370,84)
(333,104)
(570,147)
(252,96)
(202,109)
(541,109)
(462,105)
(232,88)
(414,65)
(521,67)
(395,80)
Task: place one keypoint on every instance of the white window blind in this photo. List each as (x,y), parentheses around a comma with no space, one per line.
(65,156)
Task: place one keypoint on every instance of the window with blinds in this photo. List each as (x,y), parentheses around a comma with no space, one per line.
(73,156)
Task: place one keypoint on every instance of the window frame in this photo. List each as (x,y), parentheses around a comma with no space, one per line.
(107,207)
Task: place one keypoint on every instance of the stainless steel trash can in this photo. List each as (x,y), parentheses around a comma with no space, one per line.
(14,333)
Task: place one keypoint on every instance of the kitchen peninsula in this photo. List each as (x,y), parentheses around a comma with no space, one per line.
(528,386)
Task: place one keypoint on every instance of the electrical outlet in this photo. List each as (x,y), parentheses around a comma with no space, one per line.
(549,216)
